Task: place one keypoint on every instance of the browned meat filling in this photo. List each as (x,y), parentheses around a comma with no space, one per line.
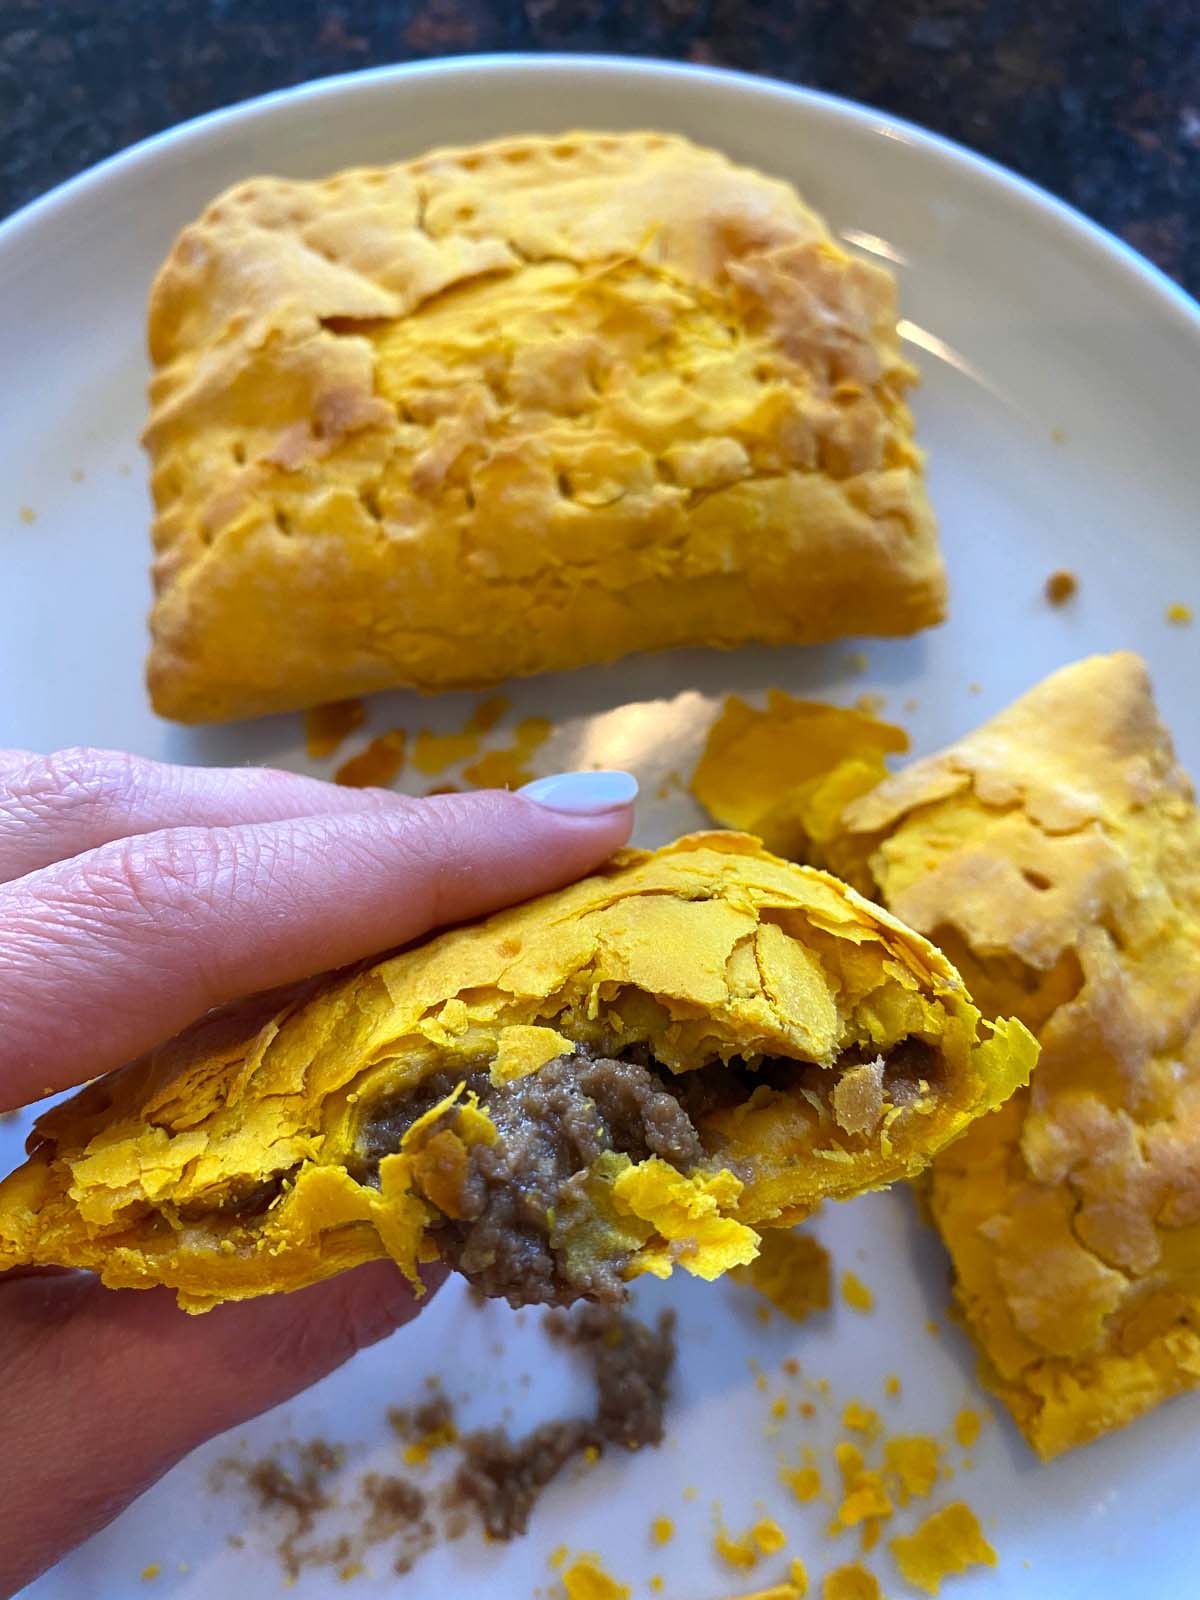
(522,1194)
(524,1204)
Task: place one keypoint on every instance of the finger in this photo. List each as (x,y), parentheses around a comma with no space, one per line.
(112,952)
(110,1389)
(57,806)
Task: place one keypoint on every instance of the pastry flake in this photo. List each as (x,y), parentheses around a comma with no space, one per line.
(629,1075)
(516,408)
(786,772)
(1054,855)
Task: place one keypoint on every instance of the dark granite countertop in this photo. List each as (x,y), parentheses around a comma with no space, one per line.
(1101,104)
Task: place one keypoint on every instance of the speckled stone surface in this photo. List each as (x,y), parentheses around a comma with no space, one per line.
(1098,102)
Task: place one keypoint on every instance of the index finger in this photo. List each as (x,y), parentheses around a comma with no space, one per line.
(110,953)
(56,806)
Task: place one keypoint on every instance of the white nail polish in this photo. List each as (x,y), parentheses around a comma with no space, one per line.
(583,794)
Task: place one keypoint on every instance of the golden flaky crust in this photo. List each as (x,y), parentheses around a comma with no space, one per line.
(514,408)
(1055,855)
(225,1163)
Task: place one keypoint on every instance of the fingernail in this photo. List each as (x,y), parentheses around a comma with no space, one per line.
(583,794)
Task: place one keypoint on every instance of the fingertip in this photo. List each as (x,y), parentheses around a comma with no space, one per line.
(545,842)
(575,819)
(583,794)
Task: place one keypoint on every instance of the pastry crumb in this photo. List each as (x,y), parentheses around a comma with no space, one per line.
(736,1550)
(768,1536)
(792,1271)
(851,1582)
(804,1482)
(377,765)
(586,1579)
(745,1550)
(777,1591)
(856,1294)
(864,1494)
(1061,586)
(662,1530)
(490,711)
(325,727)
(509,768)
(151,1572)
(671,783)
(1058,435)
(1179,614)
(27,514)
(891,1384)
(912,1462)
(948,1542)
(861,1419)
(435,753)
(857,662)
(967,1425)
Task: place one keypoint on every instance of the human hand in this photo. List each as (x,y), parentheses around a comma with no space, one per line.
(133,898)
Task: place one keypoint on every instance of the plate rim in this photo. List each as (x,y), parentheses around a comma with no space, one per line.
(1139,273)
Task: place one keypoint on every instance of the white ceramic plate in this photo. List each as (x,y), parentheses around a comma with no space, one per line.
(1059,404)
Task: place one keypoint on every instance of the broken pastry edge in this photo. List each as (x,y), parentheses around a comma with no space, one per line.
(1055,1410)
(328,1220)
(1084,754)
(1058,1401)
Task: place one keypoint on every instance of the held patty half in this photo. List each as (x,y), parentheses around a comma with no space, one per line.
(632,1073)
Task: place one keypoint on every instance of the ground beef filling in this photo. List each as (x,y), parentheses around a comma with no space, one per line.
(521,1194)
(524,1201)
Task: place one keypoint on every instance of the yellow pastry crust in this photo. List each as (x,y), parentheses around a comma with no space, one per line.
(230,1162)
(515,408)
(1055,856)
